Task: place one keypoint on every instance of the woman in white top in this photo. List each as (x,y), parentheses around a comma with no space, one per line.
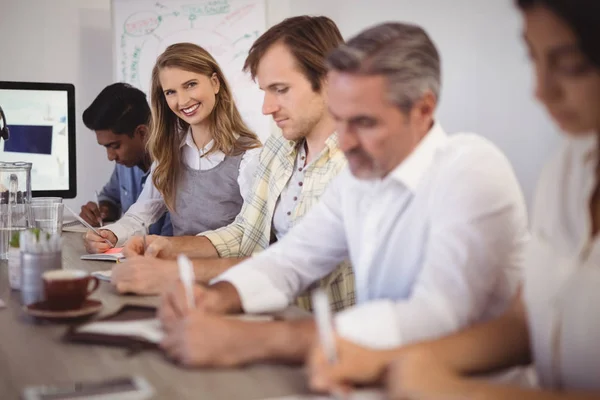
(204,154)
(554,321)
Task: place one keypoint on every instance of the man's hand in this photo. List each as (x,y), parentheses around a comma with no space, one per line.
(156,246)
(97,244)
(144,275)
(202,339)
(174,303)
(354,365)
(418,374)
(92,214)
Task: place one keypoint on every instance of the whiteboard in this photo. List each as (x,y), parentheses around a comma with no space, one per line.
(143,29)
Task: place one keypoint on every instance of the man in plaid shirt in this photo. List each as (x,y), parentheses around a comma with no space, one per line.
(295,167)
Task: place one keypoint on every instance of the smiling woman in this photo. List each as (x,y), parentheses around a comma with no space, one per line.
(190,95)
(204,156)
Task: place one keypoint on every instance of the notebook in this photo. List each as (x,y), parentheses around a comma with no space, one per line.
(132,326)
(114,255)
(73,226)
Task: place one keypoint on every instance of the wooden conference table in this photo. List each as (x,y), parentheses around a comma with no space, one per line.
(32,352)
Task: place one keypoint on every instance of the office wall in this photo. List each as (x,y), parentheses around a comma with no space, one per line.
(62,41)
(486,88)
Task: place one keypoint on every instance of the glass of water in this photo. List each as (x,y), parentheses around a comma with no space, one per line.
(47,216)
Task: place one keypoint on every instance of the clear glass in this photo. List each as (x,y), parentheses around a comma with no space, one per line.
(42,200)
(15,200)
(48,217)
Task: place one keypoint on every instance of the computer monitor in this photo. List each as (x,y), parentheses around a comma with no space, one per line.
(41,120)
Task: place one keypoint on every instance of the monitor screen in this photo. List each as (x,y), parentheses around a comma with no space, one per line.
(41,120)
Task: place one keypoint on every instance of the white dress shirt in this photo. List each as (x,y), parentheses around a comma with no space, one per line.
(562,272)
(437,245)
(150,206)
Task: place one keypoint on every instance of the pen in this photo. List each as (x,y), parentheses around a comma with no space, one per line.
(98,202)
(145,229)
(87,225)
(324,321)
(186,274)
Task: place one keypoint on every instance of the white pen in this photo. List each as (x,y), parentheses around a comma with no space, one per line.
(324,321)
(320,303)
(83,221)
(98,202)
(186,274)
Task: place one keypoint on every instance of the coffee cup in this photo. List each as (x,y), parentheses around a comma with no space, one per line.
(67,289)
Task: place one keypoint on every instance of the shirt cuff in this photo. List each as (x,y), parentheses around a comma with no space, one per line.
(374,325)
(219,243)
(257,292)
(119,231)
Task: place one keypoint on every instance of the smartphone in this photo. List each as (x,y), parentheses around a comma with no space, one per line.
(124,388)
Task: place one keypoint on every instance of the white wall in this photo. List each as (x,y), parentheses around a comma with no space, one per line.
(63,41)
(486,77)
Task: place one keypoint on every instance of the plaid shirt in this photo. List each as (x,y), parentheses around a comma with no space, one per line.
(251,231)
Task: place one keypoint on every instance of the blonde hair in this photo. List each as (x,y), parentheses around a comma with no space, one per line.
(229,132)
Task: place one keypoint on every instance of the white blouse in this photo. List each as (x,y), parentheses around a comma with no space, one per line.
(562,274)
(150,206)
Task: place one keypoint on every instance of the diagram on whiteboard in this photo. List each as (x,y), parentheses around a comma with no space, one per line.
(226,28)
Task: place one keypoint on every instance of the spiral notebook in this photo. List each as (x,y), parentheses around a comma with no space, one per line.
(73,226)
(115,255)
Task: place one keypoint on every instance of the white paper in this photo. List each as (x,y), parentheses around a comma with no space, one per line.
(364,394)
(103,275)
(148,329)
(251,317)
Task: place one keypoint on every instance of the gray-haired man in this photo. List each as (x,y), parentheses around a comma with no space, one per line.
(434,225)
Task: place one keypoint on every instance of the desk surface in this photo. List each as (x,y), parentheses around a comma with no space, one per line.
(32,353)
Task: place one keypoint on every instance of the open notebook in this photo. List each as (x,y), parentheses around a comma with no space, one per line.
(115,255)
(133,326)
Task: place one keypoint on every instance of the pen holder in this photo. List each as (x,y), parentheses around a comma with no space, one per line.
(33,265)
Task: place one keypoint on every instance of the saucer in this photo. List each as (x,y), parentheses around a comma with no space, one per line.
(41,310)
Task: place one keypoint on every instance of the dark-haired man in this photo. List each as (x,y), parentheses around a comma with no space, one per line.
(119,116)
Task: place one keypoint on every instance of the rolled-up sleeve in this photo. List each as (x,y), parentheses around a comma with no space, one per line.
(272,279)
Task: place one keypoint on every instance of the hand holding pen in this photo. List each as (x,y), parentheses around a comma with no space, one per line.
(91,228)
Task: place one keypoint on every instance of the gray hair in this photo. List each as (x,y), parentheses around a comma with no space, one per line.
(403,53)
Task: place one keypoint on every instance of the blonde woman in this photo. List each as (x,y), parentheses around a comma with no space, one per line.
(204,154)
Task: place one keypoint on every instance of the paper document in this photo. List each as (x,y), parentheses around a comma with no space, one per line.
(363,394)
(103,275)
(148,329)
